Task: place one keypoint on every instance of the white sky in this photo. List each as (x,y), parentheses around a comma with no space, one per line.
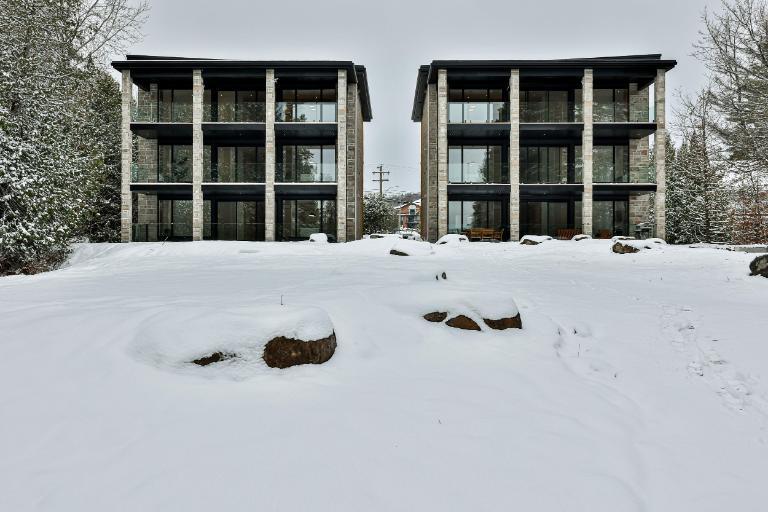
(392,38)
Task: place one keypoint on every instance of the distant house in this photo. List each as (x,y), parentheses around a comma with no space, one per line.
(409,215)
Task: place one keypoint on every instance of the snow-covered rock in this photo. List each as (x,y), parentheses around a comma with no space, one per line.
(579,238)
(231,343)
(534,239)
(452,239)
(759,266)
(321,238)
(633,246)
(621,238)
(468,311)
(411,248)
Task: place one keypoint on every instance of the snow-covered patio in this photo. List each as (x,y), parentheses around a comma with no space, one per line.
(639,381)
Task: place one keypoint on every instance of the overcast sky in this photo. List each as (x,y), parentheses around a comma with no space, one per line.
(392,38)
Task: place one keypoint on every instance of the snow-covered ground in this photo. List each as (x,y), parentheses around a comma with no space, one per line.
(638,383)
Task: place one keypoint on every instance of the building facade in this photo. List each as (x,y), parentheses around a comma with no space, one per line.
(409,215)
(545,147)
(241,150)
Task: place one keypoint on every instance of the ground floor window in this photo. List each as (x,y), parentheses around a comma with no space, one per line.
(174,219)
(299,218)
(233,220)
(610,218)
(546,217)
(463,215)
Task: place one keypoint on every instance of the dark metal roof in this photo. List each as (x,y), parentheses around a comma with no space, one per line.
(148,63)
(637,64)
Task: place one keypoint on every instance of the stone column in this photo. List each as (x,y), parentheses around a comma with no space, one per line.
(514,155)
(429,202)
(341,156)
(126,158)
(269,159)
(197,155)
(660,149)
(442,152)
(586,150)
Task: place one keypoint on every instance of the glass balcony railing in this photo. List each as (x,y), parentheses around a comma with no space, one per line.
(246,231)
(643,174)
(242,112)
(305,112)
(166,113)
(478,112)
(246,172)
(149,173)
(469,174)
(155,232)
(317,173)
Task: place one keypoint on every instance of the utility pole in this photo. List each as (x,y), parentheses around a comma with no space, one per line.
(381,179)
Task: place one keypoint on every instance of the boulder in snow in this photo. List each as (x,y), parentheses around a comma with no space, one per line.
(759,266)
(216,357)
(436,317)
(579,238)
(452,239)
(395,252)
(511,322)
(319,238)
(411,248)
(534,240)
(632,246)
(282,352)
(621,238)
(463,322)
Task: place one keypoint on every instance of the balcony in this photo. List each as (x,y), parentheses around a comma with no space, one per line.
(164,113)
(305,112)
(154,232)
(307,173)
(479,112)
(242,172)
(150,173)
(241,112)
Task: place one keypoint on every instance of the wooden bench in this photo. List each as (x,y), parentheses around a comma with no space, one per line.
(481,234)
(566,234)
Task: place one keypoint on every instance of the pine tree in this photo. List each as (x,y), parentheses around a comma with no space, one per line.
(58,126)
(378,214)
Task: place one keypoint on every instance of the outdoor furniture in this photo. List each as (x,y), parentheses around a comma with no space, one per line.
(566,234)
(484,234)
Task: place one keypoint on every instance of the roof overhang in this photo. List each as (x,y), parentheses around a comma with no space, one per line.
(642,68)
(149,66)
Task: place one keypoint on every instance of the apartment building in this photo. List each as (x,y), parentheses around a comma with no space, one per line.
(241,150)
(543,147)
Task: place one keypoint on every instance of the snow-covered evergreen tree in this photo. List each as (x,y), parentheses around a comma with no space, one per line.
(698,193)
(378,214)
(58,126)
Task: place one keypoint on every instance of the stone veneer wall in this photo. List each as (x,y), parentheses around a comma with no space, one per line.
(640,206)
(353,174)
(430,115)
(126,157)
(442,152)
(360,171)
(341,160)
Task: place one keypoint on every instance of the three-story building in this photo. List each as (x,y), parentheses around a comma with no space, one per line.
(543,147)
(241,150)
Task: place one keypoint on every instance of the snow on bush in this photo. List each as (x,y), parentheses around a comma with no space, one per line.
(175,338)
(452,239)
(318,237)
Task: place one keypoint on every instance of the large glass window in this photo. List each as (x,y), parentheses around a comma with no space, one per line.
(477,164)
(543,217)
(234,106)
(463,215)
(611,105)
(303,217)
(306,105)
(174,163)
(174,218)
(544,164)
(477,105)
(234,220)
(611,164)
(610,218)
(175,105)
(307,164)
(234,164)
(544,107)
